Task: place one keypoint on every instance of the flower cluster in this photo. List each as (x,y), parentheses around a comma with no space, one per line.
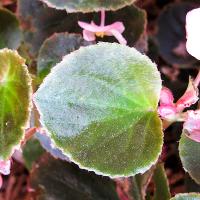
(171,111)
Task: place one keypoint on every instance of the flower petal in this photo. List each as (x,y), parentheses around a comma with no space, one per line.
(193,33)
(190,97)
(92,27)
(119,26)
(192,125)
(5,167)
(117,35)
(88,36)
(166,97)
(167,112)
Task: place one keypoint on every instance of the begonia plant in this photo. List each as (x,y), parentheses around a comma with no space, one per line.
(85,106)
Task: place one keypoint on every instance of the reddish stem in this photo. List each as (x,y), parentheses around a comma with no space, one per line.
(103,14)
(29,133)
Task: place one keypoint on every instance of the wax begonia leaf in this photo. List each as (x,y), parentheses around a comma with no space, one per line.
(189,151)
(46,143)
(100,107)
(59,180)
(87,5)
(187,196)
(15,100)
(32,151)
(54,48)
(10,33)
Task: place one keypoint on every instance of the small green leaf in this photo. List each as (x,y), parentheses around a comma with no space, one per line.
(10,34)
(100,106)
(189,151)
(161,184)
(32,151)
(87,5)
(187,196)
(54,48)
(15,100)
(59,180)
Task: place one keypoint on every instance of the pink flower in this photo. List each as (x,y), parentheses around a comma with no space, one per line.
(91,30)
(168,110)
(5,167)
(192,125)
(193,33)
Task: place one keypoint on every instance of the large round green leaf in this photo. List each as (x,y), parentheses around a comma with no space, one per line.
(87,5)
(189,153)
(187,196)
(15,87)
(10,33)
(100,106)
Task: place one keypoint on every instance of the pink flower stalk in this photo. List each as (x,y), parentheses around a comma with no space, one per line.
(91,30)
(192,125)
(193,33)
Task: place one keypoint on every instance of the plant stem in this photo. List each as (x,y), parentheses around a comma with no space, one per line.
(103,14)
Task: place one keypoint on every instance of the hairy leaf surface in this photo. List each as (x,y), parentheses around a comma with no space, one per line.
(187,196)
(15,88)
(87,5)
(189,151)
(100,106)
